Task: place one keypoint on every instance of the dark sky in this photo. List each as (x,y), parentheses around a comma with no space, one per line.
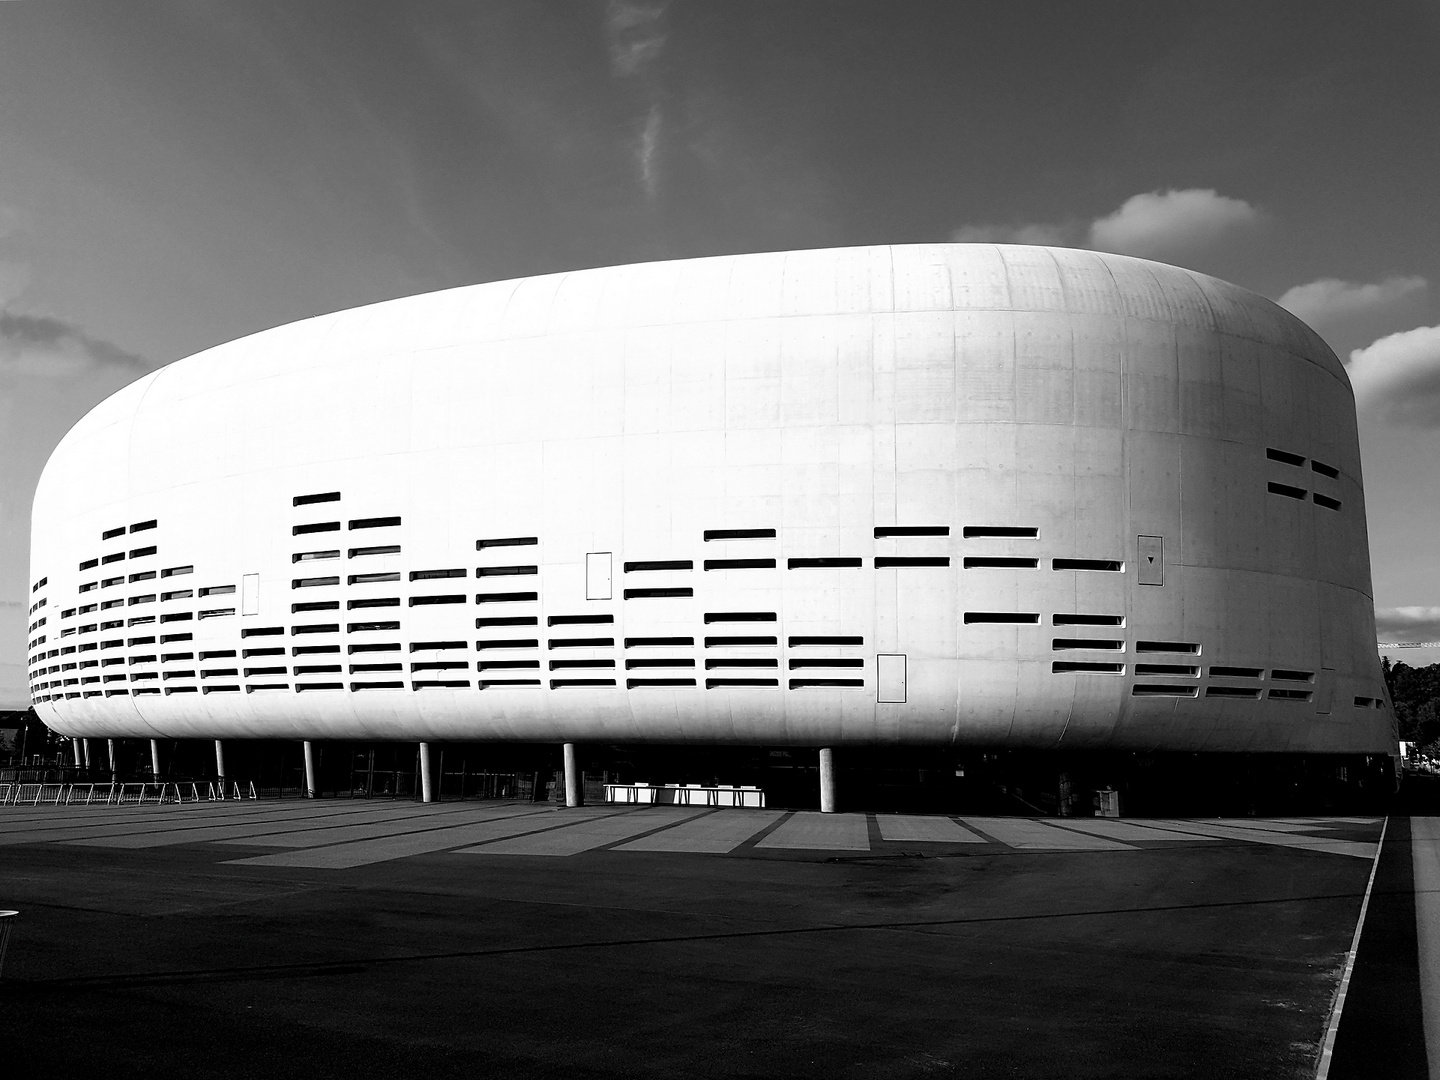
(173,175)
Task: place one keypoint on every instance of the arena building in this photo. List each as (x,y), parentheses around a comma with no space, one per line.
(957,495)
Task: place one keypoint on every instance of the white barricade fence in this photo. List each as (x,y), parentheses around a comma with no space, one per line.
(686,794)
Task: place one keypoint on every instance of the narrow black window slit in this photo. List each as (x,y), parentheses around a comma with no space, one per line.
(883,562)
(506,571)
(1085,667)
(506,541)
(317,497)
(374,522)
(739,616)
(578,620)
(1112,566)
(831,563)
(739,564)
(314,527)
(884,531)
(1284,456)
(1000,532)
(1020,617)
(659,564)
(739,534)
(802,640)
(1325,470)
(1287,491)
(507,620)
(641,594)
(1001,562)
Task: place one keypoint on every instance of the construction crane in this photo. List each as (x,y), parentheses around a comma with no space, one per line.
(1407,645)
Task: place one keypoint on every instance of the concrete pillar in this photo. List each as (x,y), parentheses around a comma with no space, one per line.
(827,780)
(220,761)
(110,745)
(427,794)
(75,744)
(155,758)
(574,786)
(312,791)
(85,743)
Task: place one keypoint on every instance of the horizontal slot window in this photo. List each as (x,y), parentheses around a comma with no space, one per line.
(249,671)
(1325,470)
(434,575)
(116,557)
(321,605)
(89,586)
(316,628)
(441,646)
(218,590)
(1112,566)
(657,594)
(258,687)
(507,541)
(660,662)
(1162,690)
(561,684)
(354,686)
(374,646)
(640,684)
(110,534)
(1236,672)
(440,684)
(884,531)
(142,526)
(498,665)
(726,640)
(248,653)
(170,657)
(1002,617)
(369,627)
(739,616)
(488,684)
(177,571)
(1253,693)
(827,662)
(582,643)
(108,604)
(217,613)
(506,597)
(179,690)
(313,650)
(1364,703)
(374,522)
(314,556)
(828,563)
(1084,667)
(1168,646)
(1001,562)
(659,564)
(301,687)
(742,662)
(1288,675)
(1183,671)
(361,579)
(174,616)
(1286,490)
(184,674)
(823,684)
(89,564)
(1280,694)
(739,564)
(739,534)
(885,562)
(578,620)
(140,553)
(721,683)
(1284,456)
(441,665)
(148,658)
(508,643)
(223,689)
(314,527)
(364,669)
(432,601)
(317,497)
(377,549)
(1077,618)
(314,582)
(1060,644)
(801,640)
(506,571)
(1000,532)
(177,594)
(507,620)
(658,642)
(114,643)
(107,582)
(1327,502)
(147,575)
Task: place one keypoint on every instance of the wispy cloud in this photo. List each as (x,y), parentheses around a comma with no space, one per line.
(1329,302)
(38,345)
(1408,623)
(637,39)
(1399,375)
(1157,224)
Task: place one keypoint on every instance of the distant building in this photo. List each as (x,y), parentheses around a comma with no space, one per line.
(951,495)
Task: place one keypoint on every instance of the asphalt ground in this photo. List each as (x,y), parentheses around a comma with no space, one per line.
(258,939)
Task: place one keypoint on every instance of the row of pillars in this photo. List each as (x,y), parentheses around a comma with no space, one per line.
(574,786)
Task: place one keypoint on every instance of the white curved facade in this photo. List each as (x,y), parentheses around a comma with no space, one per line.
(994,496)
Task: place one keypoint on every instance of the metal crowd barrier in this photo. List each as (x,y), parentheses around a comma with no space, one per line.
(15,794)
(685,794)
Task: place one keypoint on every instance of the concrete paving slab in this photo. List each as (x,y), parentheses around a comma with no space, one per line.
(1026,834)
(914,827)
(587,835)
(1129,831)
(810,830)
(1354,848)
(715,834)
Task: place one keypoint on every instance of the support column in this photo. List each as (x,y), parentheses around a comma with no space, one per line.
(827,780)
(155,759)
(110,745)
(574,787)
(311,790)
(85,744)
(427,794)
(220,762)
(76,746)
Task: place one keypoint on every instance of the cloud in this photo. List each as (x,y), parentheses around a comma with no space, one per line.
(1407,624)
(1330,301)
(1173,221)
(1154,225)
(635,37)
(1400,375)
(37,345)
